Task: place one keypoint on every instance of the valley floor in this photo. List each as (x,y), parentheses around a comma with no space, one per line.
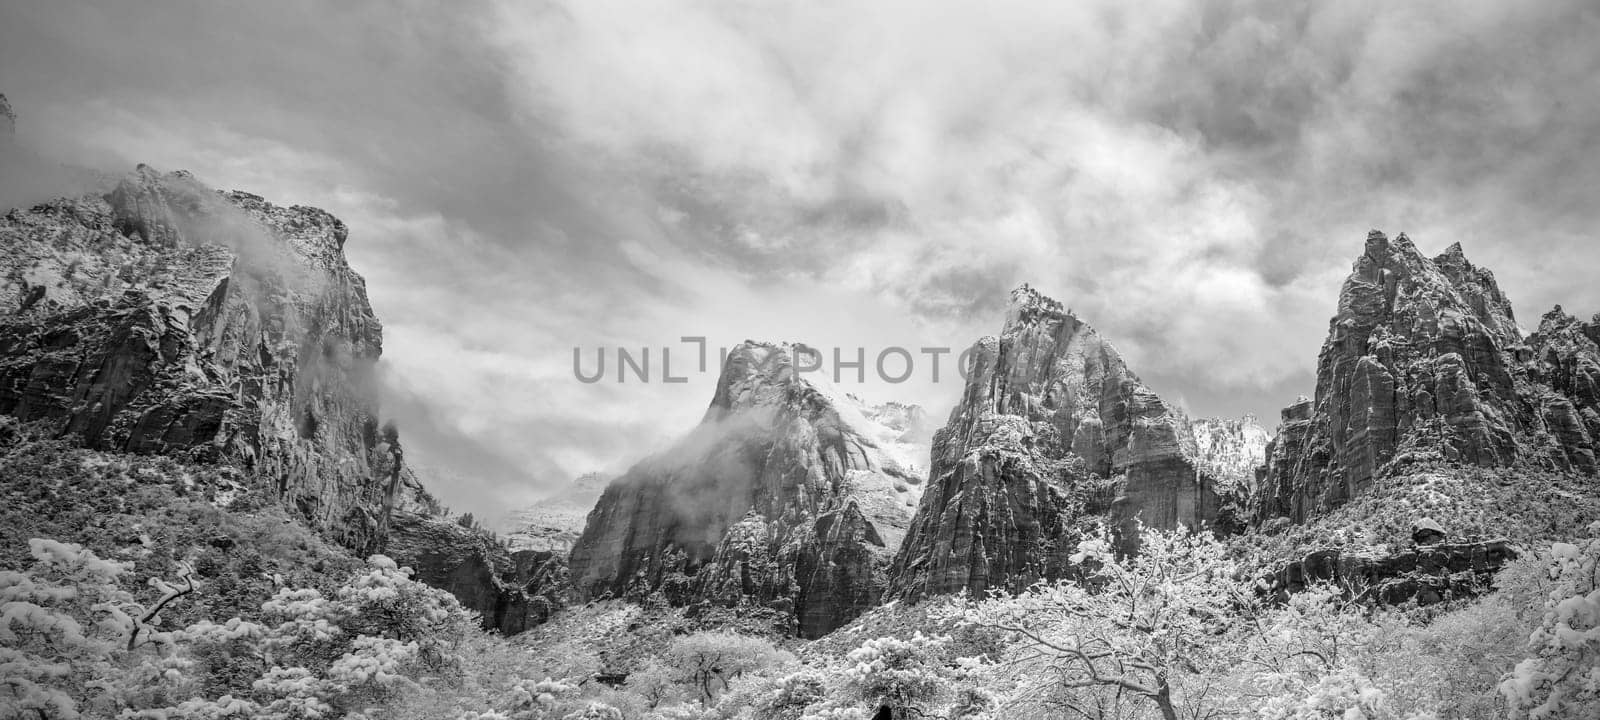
(141,587)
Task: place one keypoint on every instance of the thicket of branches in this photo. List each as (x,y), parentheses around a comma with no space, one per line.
(1175,632)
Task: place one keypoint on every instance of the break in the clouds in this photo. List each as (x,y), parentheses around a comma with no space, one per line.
(524,178)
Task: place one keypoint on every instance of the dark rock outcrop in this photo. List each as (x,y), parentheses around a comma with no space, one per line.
(786,501)
(1424,574)
(162,317)
(510,590)
(1053,431)
(1427,532)
(1424,364)
(8,120)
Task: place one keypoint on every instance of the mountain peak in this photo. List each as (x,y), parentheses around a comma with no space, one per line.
(1053,430)
(829,485)
(1556,319)
(1421,364)
(1028,304)
(1384,253)
(1377,244)
(756,373)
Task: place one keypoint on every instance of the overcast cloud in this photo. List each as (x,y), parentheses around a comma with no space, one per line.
(523,178)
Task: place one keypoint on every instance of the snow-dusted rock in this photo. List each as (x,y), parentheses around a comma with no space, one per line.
(1231,450)
(554,523)
(1423,573)
(1424,363)
(511,590)
(1052,432)
(787,497)
(159,316)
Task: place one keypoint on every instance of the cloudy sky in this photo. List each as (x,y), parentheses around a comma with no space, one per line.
(523,178)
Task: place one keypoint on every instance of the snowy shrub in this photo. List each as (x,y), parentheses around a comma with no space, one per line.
(534,700)
(791,694)
(680,711)
(895,672)
(594,711)
(1562,677)
(72,641)
(1340,694)
(708,661)
(294,694)
(916,676)
(656,684)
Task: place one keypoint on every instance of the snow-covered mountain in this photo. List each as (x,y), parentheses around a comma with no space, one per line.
(790,497)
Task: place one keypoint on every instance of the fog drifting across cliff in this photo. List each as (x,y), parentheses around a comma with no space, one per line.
(1184,173)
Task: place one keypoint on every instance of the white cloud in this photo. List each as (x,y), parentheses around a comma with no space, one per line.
(1193,178)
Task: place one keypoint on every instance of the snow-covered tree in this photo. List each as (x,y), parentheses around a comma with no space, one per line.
(1144,627)
(1562,677)
(917,677)
(72,641)
(656,683)
(708,661)
(791,694)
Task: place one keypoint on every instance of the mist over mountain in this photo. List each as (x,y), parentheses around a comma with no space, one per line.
(520,181)
(674,361)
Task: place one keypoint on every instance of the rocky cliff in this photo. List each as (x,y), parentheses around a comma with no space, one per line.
(1424,364)
(554,523)
(1230,450)
(1052,432)
(157,316)
(511,590)
(785,500)
(1560,363)
(1423,574)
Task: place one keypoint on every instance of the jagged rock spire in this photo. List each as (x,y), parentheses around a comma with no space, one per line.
(785,498)
(1053,431)
(1424,363)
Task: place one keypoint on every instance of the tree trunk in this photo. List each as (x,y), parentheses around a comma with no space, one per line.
(1164,700)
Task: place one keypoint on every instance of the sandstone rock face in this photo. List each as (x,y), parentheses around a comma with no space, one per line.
(1426,574)
(1053,431)
(785,500)
(1230,450)
(1424,363)
(511,590)
(162,317)
(1562,365)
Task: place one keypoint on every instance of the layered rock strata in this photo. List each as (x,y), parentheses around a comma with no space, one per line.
(1422,574)
(1053,433)
(1424,364)
(159,316)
